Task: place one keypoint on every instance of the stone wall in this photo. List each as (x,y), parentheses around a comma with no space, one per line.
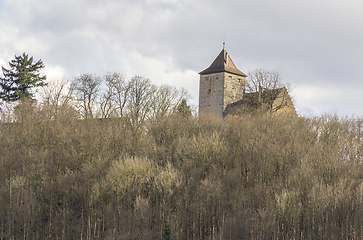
(234,88)
(211,93)
(218,90)
(283,104)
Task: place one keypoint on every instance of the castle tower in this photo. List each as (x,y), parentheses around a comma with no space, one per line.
(220,84)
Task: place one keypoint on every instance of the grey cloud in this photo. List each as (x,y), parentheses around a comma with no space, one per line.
(311,43)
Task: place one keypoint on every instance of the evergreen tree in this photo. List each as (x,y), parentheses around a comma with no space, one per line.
(184,109)
(23,75)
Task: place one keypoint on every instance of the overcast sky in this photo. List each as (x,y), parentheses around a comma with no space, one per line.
(315,45)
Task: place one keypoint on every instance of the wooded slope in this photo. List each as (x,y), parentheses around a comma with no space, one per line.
(179,177)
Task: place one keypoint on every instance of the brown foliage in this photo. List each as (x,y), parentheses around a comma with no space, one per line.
(244,177)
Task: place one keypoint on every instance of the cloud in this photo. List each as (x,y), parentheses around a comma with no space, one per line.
(314,45)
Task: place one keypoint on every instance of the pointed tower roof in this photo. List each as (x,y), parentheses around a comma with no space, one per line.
(223,63)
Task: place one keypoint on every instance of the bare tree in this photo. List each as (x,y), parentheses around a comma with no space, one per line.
(140,99)
(166,100)
(106,107)
(266,79)
(7,111)
(266,88)
(86,88)
(57,100)
(118,90)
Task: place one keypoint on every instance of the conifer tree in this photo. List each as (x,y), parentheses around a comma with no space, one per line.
(184,109)
(18,81)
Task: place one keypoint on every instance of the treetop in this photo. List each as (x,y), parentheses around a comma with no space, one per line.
(22,76)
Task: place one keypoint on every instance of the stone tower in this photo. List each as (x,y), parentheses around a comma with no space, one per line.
(220,84)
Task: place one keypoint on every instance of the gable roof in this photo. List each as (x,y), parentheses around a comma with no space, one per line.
(223,63)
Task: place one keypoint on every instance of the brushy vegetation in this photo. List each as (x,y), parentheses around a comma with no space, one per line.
(179,177)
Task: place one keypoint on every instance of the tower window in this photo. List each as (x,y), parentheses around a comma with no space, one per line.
(206,79)
(217,76)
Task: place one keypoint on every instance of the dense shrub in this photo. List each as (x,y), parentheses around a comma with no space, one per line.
(248,177)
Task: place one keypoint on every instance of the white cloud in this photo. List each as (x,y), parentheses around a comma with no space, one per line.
(317,100)
(54,72)
(315,45)
(162,72)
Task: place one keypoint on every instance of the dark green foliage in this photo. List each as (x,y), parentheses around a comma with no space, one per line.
(19,81)
(167,229)
(184,109)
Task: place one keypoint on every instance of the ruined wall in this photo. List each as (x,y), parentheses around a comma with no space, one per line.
(283,104)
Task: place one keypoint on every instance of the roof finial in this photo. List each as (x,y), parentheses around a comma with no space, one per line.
(224,44)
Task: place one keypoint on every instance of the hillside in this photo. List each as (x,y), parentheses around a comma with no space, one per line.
(179,177)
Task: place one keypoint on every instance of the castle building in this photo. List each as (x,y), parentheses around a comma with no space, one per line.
(220,85)
(222,91)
